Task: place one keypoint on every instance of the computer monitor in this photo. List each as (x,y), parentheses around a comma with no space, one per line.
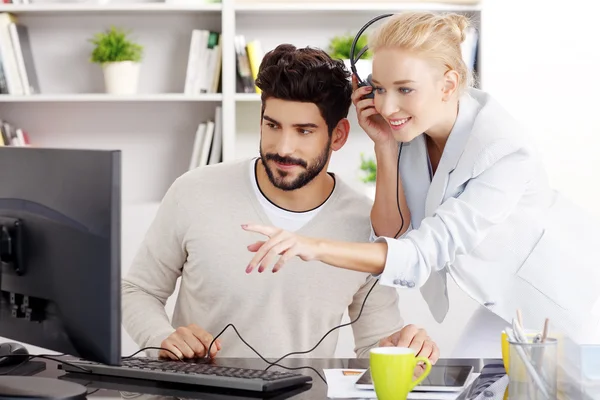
(60,270)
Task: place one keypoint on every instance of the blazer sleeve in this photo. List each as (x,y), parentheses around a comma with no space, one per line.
(373,237)
(501,174)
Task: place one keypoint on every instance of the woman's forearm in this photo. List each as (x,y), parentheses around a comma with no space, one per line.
(385,217)
(363,257)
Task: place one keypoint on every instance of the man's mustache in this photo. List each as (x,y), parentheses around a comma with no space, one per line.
(285,160)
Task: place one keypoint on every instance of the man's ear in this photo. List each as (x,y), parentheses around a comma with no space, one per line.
(340,134)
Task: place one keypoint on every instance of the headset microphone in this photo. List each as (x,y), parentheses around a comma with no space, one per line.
(353,60)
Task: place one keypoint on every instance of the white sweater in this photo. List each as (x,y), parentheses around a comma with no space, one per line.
(196,236)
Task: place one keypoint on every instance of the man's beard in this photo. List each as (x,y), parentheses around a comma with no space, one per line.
(277,178)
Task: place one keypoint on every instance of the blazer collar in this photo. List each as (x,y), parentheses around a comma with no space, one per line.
(461,131)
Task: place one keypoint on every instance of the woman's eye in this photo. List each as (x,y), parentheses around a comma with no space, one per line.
(405,90)
(379,90)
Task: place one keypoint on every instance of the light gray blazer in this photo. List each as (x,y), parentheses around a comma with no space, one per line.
(489,219)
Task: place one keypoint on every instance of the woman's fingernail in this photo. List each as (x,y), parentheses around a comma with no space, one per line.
(248,269)
(244,225)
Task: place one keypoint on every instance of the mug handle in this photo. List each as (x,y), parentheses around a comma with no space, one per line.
(424,374)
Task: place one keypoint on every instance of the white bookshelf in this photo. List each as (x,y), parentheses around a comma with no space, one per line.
(155,128)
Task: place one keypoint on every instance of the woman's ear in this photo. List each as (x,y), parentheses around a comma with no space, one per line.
(340,134)
(450,86)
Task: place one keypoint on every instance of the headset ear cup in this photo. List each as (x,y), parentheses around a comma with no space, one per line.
(368,82)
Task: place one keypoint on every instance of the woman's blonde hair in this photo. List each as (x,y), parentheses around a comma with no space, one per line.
(438,36)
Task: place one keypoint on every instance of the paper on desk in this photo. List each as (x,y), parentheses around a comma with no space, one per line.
(340,384)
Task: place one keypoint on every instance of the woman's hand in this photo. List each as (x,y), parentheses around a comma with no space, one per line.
(368,118)
(282,243)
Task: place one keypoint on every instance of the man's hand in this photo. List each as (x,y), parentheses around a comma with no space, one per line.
(416,339)
(189,342)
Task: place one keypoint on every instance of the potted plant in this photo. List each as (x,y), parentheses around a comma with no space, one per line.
(340,46)
(120,60)
(369,168)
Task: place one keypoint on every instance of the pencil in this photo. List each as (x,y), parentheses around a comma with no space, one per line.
(545,332)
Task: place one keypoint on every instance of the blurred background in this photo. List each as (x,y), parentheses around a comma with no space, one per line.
(189,99)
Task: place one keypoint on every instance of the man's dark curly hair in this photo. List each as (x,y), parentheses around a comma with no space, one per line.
(307,75)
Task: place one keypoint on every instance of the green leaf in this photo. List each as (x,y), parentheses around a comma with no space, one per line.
(114,45)
(340,46)
(369,167)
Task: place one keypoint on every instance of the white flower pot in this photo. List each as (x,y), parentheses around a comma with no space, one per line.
(121,77)
(363,67)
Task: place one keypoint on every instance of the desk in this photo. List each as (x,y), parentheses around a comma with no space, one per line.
(126,389)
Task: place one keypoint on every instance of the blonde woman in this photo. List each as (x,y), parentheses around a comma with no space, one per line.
(460,192)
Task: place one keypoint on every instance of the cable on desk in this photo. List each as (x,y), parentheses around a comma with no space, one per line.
(246,343)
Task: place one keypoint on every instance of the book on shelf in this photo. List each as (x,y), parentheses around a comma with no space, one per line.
(208,142)
(17,68)
(203,73)
(12,136)
(248,57)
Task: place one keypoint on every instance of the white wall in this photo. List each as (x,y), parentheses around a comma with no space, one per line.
(548,78)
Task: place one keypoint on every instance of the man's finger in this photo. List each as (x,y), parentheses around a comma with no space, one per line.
(169,354)
(191,339)
(405,336)
(418,341)
(426,349)
(183,347)
(204,340)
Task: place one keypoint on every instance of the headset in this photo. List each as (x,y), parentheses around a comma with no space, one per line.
(362,51)
(371,95)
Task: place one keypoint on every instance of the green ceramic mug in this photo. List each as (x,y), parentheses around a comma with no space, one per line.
(392,371)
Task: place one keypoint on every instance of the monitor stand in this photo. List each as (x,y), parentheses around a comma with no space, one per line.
(33,388)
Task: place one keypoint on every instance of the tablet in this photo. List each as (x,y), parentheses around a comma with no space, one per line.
(442,378)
